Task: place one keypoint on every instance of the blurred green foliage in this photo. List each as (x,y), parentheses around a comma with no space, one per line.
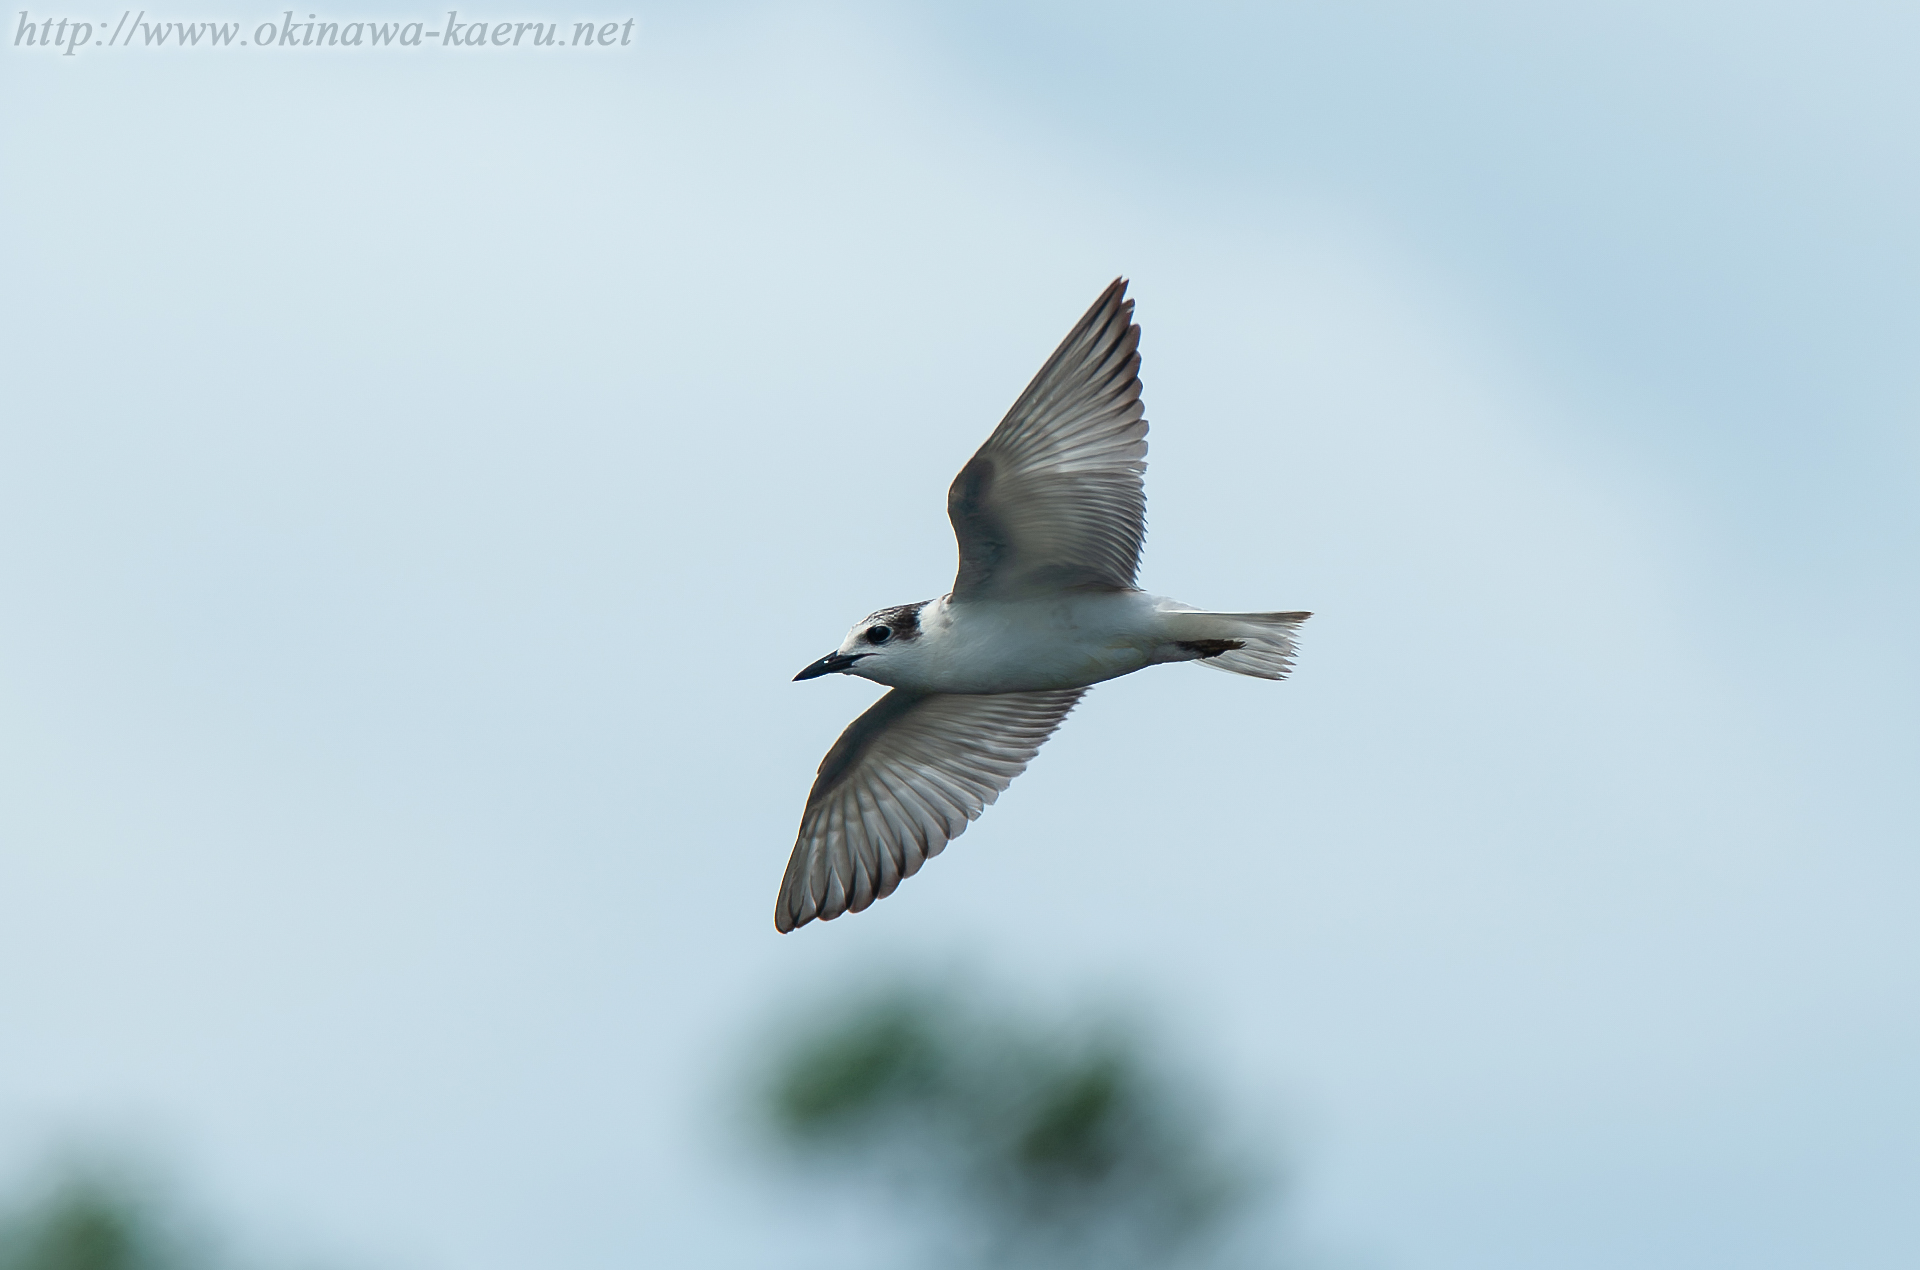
(1023,1143)
(89,1220)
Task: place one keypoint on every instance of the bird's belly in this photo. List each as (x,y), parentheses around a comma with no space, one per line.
(1038,646)
(1040,670)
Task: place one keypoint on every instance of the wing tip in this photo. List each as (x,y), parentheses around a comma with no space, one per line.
(787,919)
(788,916)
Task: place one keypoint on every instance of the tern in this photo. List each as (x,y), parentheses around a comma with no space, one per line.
(1049,515)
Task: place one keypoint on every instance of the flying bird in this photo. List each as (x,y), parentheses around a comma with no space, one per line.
(1049,515)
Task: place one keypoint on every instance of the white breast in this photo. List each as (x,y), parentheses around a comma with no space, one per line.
(1061,641)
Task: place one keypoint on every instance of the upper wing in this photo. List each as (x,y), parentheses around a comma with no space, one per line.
(901,782)
(1054,498)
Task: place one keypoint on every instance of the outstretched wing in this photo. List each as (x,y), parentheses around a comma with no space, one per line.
(901,782)
(1055,499)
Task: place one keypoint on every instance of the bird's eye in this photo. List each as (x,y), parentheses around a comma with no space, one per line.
(878,634)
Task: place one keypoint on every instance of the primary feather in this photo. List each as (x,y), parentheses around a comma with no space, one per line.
(1055,498)
(902,781)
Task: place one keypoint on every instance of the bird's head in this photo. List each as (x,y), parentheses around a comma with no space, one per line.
(875,642)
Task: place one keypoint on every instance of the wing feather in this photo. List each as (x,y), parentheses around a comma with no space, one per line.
(917,827)
(1055,498)
(903,780)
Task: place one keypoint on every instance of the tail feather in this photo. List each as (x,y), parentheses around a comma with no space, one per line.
(1258,644)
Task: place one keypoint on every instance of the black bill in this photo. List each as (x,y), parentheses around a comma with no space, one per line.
(831,664)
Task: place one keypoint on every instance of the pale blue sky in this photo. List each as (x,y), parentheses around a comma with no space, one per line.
(421,476)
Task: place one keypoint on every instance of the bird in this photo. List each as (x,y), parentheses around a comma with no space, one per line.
(1049,515)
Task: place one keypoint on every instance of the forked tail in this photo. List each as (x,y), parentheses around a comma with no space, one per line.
(1258,644)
